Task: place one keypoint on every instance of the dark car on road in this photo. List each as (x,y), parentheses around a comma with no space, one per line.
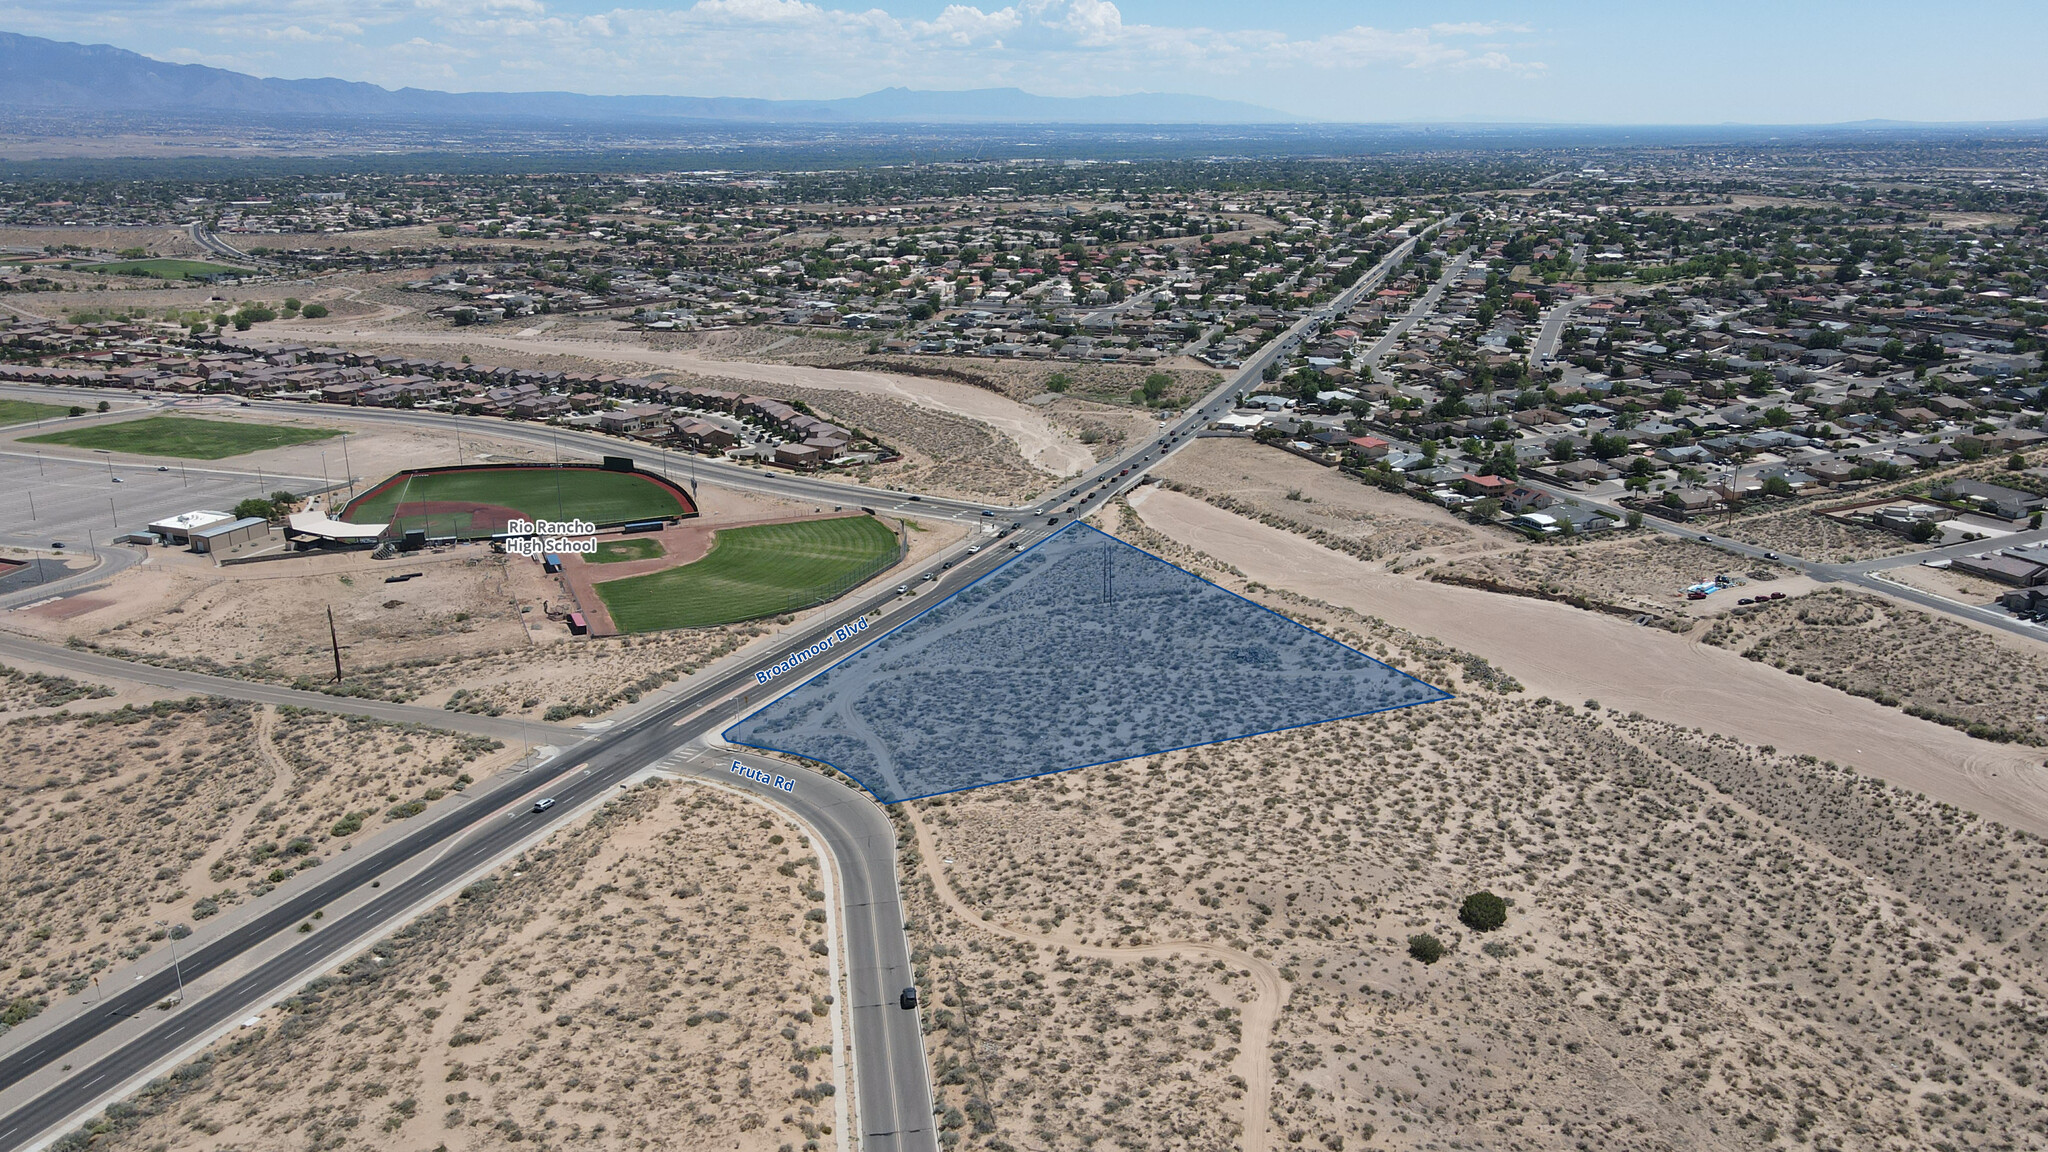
(908,998)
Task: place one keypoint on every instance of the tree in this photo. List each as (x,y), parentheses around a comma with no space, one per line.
(1777,486)
(1922,532)
(1485,511)
(1606,446)
(1483,912)
(2016,463)
(313,311)
(1777,417)
(1058,382)
(105,407)
(255,508)
(1425,947)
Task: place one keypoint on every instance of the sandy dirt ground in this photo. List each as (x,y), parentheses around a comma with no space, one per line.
(642,980)
(1569,654)
(120,814)
(475,632)
(1337,511)
(1706,946)
(1990,683)
(1043,444)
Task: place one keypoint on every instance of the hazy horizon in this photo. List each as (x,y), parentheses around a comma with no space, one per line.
(1571,63)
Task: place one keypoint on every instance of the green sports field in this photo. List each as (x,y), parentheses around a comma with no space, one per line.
(621,551)
(164,269)
(476,502)
(752,572)
(183,436)
(23,411)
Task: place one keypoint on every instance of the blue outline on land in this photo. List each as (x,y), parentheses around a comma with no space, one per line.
(1081,650)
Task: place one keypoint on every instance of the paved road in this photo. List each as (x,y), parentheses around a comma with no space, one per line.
(1861,574)
(894,1101)
(890,1070)
(204,237)
(93,666)
(1423,307)
(1547,337)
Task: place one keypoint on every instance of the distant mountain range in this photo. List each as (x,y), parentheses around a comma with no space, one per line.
(51,75)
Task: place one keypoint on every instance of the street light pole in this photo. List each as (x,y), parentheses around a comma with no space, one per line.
(177,969)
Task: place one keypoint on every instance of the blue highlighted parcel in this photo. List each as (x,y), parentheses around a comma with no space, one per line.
(1082,650)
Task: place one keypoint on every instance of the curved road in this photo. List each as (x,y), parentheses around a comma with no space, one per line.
(890,1070)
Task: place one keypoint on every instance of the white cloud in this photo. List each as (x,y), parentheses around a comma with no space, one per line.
(785,48)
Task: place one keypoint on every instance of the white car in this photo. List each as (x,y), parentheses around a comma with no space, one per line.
(973,548)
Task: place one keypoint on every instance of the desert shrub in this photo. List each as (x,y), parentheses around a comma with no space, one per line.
(1483,912)
(1425,947)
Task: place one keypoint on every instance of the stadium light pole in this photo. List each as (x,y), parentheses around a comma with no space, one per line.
(346,466)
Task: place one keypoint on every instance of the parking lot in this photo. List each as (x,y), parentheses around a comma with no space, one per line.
(47,498)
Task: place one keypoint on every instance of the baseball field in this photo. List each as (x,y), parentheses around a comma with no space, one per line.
(479,501)
(754,571)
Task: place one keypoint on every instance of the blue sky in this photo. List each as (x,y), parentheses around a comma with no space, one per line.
(1588,61)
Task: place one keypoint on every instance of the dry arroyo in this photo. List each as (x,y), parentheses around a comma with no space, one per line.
(1570,654)
(1044,445)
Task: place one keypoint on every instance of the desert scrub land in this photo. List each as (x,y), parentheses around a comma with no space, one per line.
(1805,532)
(645,979)
(1706,945)
(1095,380)
(1935,669)
(22,691)
(180,809)
(1333,509)
(1635,573)
(456,637)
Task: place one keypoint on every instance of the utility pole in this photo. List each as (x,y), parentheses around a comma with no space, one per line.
(348,467)
(334,638)
(176,967)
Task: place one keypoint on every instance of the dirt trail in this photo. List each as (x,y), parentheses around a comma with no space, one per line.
(1042,444)
(1260,1016)
(1569,654)
(281,780)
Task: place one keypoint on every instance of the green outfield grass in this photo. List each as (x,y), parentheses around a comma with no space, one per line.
(752,572)
(182,436)
(23,411)
(538,493)
(620,551)
(164,269)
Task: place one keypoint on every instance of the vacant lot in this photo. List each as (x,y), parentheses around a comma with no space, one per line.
(183,436)
(1803,532)
(643,980)
(23,411)
(751,572)
(176,810)
(1639,572)
(1932,667)
(1323,504)
(165,269)
(477,501)
(1706,946)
